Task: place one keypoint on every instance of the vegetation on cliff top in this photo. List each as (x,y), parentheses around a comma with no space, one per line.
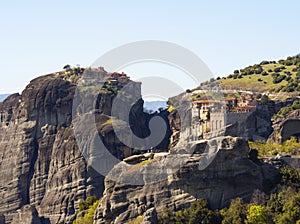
(290,147)
(281,76)
(289,108)
(268,76)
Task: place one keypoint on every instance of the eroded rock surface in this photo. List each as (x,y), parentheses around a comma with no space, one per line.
(44,174)
(285,127)
(231,174)
(41,165)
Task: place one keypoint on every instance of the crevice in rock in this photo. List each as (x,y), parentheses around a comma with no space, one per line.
(31,169)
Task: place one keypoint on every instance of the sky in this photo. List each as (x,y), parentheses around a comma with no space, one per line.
(39,37)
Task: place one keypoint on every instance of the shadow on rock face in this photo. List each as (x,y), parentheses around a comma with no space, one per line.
(230,174)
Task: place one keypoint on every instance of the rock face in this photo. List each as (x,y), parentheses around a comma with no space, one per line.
(44,174)
(150,217)
(42,171)
(285,127)
(40,163)
(231,174)
(28,214)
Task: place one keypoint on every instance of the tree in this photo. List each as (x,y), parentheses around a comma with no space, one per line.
(200,213)
(181,216)
(258,214)
(264,99)
(290,177)
(88,218)
(292,206)
(258,96)
(67,67)
(259,197)
(166,217)
(236,213)
(291,210)
(83,205)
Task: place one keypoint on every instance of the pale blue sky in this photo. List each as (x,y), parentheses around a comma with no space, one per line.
(38,37)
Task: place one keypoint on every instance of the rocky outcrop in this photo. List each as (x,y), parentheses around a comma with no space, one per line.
(231,174)
(28,214)
(40,163)
(150,217)
(285,127)
(43,172)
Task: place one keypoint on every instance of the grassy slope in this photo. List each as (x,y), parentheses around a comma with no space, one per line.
(260,83)
(250,82)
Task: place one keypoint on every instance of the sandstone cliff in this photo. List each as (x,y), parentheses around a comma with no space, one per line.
(40,163)
(231,174)
(44,174)
(41,166)
(285,126)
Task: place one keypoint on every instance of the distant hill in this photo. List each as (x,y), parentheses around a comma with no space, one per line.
(154,105)
(3,97)
(279,77)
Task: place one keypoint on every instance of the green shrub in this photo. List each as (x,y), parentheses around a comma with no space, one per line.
(258,214)
(277,70)
(287,109)
(88,218)
(288,79)
(265,63)
(277,78)
(236,213)
(290,146)
(290,177)
(284,206)
(264,99)
(199,212)
(144,163)
(84,205)
(258,70)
